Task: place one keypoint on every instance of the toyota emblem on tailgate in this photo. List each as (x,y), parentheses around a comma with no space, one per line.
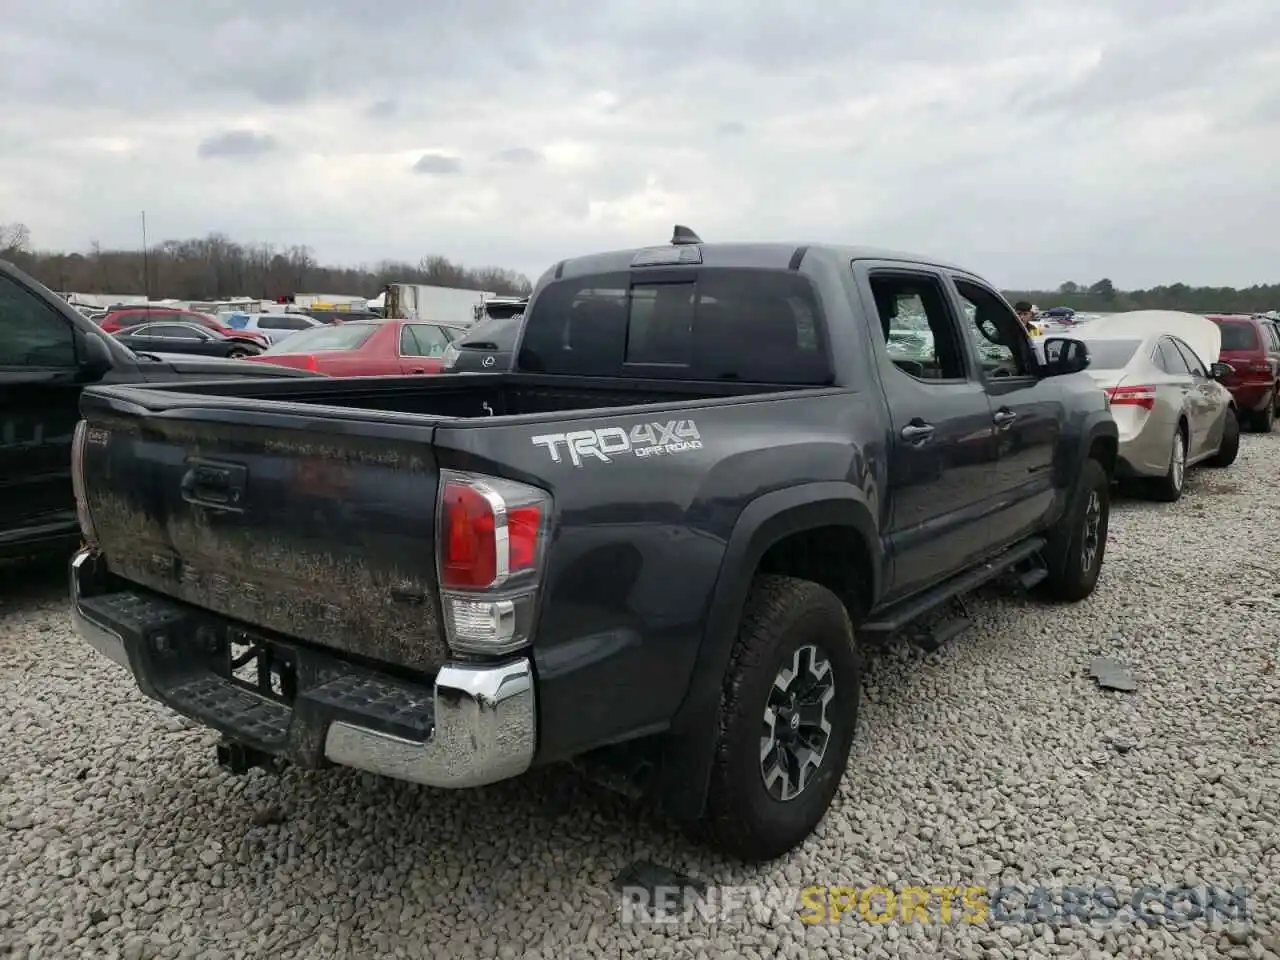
(488,361)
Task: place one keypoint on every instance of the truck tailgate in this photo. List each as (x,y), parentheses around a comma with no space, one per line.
(289,524)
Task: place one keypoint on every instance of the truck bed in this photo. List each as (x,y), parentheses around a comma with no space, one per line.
(307,508)
(442,396)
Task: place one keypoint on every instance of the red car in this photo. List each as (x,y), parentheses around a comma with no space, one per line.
(365,348)
(118,320)
(1252,347)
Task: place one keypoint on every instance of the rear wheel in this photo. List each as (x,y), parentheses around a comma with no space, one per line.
(1078,543)
(1169,487)
(1229,448)
(787,718)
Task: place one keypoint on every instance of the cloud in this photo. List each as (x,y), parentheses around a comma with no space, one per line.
(236,143)
(438,164)
(1032,140)
(518,156)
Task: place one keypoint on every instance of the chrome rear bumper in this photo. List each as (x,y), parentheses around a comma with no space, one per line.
(476,725)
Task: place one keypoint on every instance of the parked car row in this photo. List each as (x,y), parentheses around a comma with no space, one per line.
(1166,386)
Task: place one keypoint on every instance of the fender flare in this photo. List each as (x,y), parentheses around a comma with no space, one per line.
(690,743)
(1094,426)
(1097,425)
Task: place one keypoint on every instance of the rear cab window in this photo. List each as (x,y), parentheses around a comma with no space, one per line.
(713,323)
(1238,335)
(1111,354)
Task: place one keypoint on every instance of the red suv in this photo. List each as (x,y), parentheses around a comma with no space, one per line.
(118,320)
(1252,346)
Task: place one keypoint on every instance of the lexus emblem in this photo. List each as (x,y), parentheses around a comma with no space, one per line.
(489,361)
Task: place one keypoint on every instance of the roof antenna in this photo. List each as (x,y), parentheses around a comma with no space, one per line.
(682,235)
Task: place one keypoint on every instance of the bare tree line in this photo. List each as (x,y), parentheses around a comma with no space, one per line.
(215,266)
(219,267)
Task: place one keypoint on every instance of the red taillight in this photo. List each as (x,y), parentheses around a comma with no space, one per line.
(1142,396)
(309,363)
(484,541)
(490,545)
(470,558)
(523,526)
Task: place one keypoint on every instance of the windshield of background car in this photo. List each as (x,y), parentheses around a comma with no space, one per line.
(1111,354)
(339,316)
(498,334)
(763,326)
(345,336)
(1238,336)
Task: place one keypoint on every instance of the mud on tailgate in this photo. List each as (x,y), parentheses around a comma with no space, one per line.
(328,539)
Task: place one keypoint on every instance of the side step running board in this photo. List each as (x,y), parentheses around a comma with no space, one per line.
(900,615)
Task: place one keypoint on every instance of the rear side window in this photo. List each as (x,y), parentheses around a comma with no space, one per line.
(284,323)
(750,325)
(1238,336)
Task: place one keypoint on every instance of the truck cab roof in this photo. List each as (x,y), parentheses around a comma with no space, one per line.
(766,256)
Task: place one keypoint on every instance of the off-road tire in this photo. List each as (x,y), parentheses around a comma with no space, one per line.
(1168,489)
(1070,578)
(1229,448)
(782,615)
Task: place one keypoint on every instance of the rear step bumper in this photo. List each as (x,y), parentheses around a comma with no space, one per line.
(476,725)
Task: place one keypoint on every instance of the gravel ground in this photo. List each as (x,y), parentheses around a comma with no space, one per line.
(995,761)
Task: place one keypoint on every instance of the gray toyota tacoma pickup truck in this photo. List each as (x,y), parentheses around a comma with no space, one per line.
(652,548)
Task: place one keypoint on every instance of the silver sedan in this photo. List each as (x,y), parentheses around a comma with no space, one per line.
(1170,409)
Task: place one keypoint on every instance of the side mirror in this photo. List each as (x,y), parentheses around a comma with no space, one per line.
(1064,355)
(94,356)
(1220,371)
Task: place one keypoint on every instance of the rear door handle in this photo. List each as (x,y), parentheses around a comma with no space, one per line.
(1003,418)
(917,432)
(417,370)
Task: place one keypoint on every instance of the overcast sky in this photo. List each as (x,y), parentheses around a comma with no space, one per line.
(1032,140)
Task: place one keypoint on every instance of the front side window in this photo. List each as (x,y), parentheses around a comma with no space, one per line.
(1189,355)
(995,332)
(918,329)
(31,333)
(1170,360)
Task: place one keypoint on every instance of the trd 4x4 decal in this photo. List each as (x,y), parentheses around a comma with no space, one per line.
(605,443)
